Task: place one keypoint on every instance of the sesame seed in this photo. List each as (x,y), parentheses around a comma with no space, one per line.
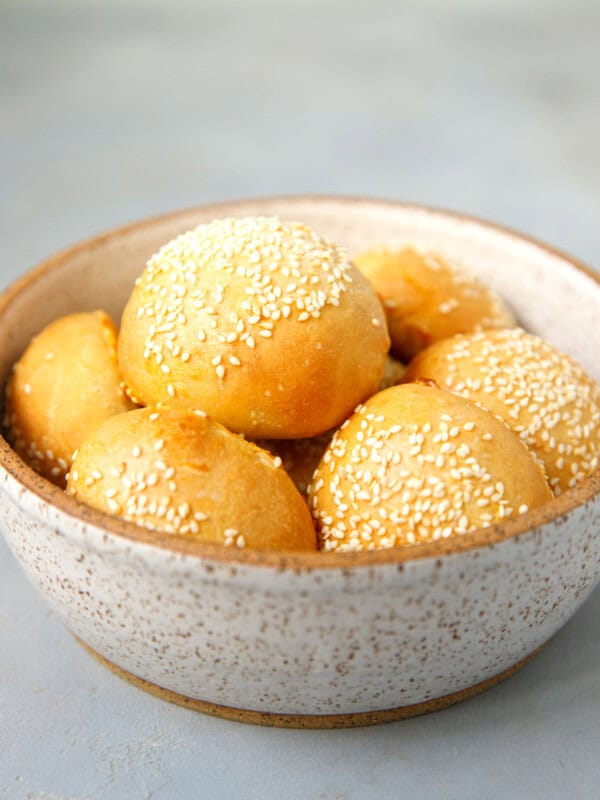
(113,506)
(380,498)
(541,394)
(283,269)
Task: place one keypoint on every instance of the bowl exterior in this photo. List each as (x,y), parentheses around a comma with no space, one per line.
(305,642)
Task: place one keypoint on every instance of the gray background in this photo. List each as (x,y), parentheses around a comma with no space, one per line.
(112,111)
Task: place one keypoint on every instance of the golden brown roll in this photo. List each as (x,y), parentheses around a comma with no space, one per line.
(300,457)
(547,399)
(63,386)
(261,323)
(417,464)
(427,299)
(181,472)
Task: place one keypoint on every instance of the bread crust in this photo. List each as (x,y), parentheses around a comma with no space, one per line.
(544,396)
(63,386)
(426,298)
(260,323)
(182,473)
(417,464)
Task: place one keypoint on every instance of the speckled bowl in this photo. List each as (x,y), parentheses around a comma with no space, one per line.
(316,640)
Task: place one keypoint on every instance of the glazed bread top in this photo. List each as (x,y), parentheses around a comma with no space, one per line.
(544,396)
(262,324)
(63,386)
(427,298)
(417,464)
(181,472)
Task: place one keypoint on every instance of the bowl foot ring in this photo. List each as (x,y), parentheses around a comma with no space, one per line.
(351,720)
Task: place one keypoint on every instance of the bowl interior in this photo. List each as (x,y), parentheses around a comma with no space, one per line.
(550,294)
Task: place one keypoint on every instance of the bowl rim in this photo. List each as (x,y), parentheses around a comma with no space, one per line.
(513,529)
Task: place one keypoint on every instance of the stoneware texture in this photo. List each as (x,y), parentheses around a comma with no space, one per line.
(314,639)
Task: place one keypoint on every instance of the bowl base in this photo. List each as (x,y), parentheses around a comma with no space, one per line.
(352,720)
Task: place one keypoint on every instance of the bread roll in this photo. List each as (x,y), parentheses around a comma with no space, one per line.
(63,386)
(541,394)
(261,323)
(427,299)
(417,464)
(182,473)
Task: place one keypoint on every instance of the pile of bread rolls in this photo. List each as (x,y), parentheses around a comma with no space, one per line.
(265,391)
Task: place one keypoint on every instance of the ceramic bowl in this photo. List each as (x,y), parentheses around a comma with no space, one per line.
(317,639)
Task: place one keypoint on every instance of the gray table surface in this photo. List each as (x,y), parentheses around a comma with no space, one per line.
(111,111)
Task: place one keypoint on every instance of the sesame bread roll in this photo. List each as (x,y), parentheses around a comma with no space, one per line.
(417,464)
(261,323)
(546,398)
(427,299)
(63,386)
(180,472)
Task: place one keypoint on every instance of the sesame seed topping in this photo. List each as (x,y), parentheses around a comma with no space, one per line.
(284,270)
(540,393)
(385,482)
